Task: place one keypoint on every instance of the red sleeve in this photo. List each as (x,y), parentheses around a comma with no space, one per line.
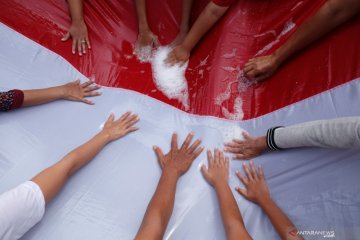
(11,100)
(223,3)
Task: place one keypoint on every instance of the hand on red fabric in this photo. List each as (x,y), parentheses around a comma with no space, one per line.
(178,161)
(80,39)
(260,68)
(75,91)
(179,55)
(119,128)
(217,171)
(256,190)
(147,38)
(248,148)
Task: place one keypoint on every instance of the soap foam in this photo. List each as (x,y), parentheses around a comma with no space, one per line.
(143,54)
(230,133)
(238,113)
(170,80)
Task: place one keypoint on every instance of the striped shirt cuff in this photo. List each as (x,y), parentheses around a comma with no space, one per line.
(270,141)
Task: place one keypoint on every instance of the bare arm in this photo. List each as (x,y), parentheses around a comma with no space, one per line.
(52,179)
(78,29)
(331,14)
(185,21)
(173,164)
(208,17)
(257,191)
(73,91)
(217,175)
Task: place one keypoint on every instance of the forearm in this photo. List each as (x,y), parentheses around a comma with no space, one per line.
(283,225)
(40,96)
(76,10)
(185,19)
(230,213)
(329,16)
(209,16)
(141,13)
(159,209)
(335,133)
(52,179)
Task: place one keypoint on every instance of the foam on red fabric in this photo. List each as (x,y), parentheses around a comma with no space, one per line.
(247,27)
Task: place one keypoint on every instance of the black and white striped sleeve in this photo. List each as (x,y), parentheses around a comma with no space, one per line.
(270,139)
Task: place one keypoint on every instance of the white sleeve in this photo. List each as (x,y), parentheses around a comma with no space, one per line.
(20,209)
(335,133)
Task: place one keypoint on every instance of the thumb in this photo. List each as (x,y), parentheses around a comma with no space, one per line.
(241,191)
(246,135)
(204,171)
(66,37)
(160,155)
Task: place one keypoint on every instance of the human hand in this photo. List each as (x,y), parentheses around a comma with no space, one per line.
(114,130)
(178,161)
(217,172)
(75,91)
(79,34)
(260,68)
(147,38)
(248,148)
(180,54)
(257,190)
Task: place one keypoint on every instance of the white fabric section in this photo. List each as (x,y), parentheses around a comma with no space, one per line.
(108,197)
(336,133)
(20,209)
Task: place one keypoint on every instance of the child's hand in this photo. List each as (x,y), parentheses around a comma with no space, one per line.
(79,34)
(178,160)
(248,148)
(75,91)
(147,38)
(217,172)
(114,130)
(260,68)
(256,188)
(178,55)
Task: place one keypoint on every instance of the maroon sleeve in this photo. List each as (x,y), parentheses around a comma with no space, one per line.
(11,100)
(223,3)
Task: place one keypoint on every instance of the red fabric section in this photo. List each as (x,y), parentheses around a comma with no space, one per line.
(11,100)
(223,3)
(247,28)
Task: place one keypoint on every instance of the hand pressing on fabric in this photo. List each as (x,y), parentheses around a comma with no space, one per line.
(76,91)
(217,172)
(256,190)
(248,148)
(119,128)
(80,39)
(179,55)
(73,91)
(260,68)
(147,38)
(178,160)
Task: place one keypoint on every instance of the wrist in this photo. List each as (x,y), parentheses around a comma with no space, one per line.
(261,143)
(265,201)
(170,173)
(220,184)
(105,136)
(77,21)
(277,57)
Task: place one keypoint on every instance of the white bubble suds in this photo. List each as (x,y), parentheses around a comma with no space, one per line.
(143,54)
(170,80)
(238,113)
(230,133)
